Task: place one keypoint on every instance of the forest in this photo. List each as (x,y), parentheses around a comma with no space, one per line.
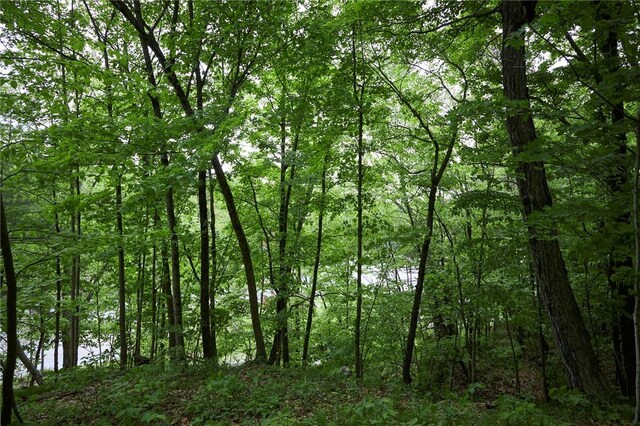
(320,212)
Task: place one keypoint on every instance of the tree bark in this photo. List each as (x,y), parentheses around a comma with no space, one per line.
(316,265)
(142,267)
(205,314)
(56,338)
(417,296)
(12,319)
(175,294)
(358,95)
(636,267)
(214,273)
(623,329)
(357,338)
(566,320)
(122,317)
(245,250)
(71,340)
(154,299)
(280,348)
(148,41)
(76,281)
(166,290)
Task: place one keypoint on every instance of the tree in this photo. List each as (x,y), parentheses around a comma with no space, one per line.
(567,324)
(8,369)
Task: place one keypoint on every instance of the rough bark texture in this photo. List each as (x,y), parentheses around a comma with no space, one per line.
(568,327)
(12,319)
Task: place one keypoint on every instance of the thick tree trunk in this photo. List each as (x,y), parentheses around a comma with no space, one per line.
(566,320)
(11,309)
(205,314)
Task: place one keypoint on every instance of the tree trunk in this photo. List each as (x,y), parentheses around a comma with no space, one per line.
(205,314)
(214,273)
(280,349)
(175,269)
(261,354)
(122,317)
(316,265)
(154,301)
(12,319)
(166,290)
(31,368)
(358,95)
(56,338)
(357,343)
(636,266)
(76,280)
(142,267)
(175,294)
(40,348)
(623,330)
(417,296)
(71,341)
(147,41)
(567,324)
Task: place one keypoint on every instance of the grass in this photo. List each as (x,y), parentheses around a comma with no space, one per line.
(255,394)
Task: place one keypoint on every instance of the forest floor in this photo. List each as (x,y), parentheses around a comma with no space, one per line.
(253,394)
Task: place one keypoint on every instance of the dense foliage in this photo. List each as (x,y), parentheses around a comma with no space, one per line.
(375,185)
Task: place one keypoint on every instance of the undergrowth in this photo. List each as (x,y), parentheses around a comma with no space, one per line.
(261,395)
